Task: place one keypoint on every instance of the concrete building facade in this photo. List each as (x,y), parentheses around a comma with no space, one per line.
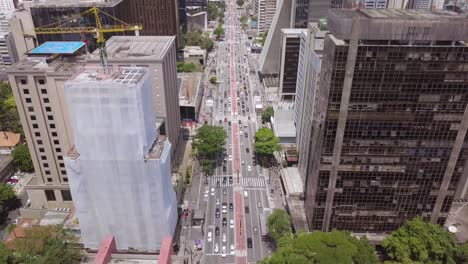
(265,11)
(119,167)
(390,120)
(290,46)
(37,84)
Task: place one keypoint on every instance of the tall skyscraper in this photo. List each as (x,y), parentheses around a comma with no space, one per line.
(388,140)
(119,168)
(290,46)
(265,11)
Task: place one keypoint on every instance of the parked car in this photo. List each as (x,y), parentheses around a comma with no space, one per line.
(249,242)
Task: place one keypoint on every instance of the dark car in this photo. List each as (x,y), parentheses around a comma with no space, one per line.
(231,207)
(249,242)
(230,179)
(247,210)
(224,221)
(247,150)
(224,181)
(254,163)
(224,192)
(224,168)
(246,135)
(217,213)
(217,231)
(217,184)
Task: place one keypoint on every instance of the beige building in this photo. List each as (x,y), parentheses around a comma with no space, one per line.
(37,82)
(265,11)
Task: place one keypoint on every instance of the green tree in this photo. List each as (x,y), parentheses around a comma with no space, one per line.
(462,257)
(6,256)
(7,194)
(219,32)
(279,224)
(324,248)
(8,113)
(197,38)
(266,142)
(222,5)
(213,80)
(186,67)
(213,11)
(420,242)
(47,244)
(22,158)
(208,142)
(267,114)
(240,2)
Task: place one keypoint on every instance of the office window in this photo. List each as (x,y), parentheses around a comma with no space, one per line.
(47,172)
(37,134)
(35,125)
(46,100)
(56,142)
(49,179)
(49,117)
(66,195)
(59,157)
(25,91)
(65,179)
(24,81)
(33,117)
(43,157)
(43,91)
(39,142)
(28,100)
(64,172)
(62,165)
(41,150)
(52,125)
(41,81)
(54,134)
(48,109)
(46,165)
(50,195)
(58,150)
(30,109)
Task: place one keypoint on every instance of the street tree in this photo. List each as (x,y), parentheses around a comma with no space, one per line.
(47,244)
(8,112)
(279,224)
(267,114)
(186,67)
(266,143)
(240,2)
(420,242)
(213,11)
(197,38)
(6,255)
(208,142)
(222,5)
(463,254)
(22,158)
(324,248)
(219,32)
(213,80)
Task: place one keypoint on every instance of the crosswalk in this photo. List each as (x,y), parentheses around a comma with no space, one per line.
(247,182)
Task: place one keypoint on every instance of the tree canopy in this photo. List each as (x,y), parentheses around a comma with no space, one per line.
(240,2)
(213,79)
(46,244)
(266,142)
(22,158)
(8,113)
(267,114)
(420,242)
(186,67)
(219,31)
(324,248)
(197,38)
(279,224)
(208,142)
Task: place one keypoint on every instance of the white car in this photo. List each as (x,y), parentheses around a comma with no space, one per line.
(216,249)
(230,145)
(233,249)
(209,237)
(223,252)
(240,132)
(249,168)
(212,191)
(224,238)
(217,201)
(246,194)
(243,162)
(230,157)
(231,223)
(206,193)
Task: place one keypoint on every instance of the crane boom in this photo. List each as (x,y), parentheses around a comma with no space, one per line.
(99,30)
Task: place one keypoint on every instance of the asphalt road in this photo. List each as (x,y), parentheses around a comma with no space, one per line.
(235,111)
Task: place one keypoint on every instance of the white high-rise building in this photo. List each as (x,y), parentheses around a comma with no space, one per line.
(7,7)
(119,169)
(265,10)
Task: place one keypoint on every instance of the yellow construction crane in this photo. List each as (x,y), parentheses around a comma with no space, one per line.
(98,30)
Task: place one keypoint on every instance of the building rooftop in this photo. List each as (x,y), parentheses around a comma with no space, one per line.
(293,31)
(129,48)
(283,122)
(157,148)
(189,88)
(58,47)
(292,181)
(9,139)
(271,81)
(76,3)
(399,24)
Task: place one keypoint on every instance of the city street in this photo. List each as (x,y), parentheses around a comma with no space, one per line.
(236,194)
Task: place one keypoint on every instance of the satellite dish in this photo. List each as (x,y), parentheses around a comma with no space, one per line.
(452,229)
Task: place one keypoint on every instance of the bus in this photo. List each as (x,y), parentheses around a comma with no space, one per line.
(263,227)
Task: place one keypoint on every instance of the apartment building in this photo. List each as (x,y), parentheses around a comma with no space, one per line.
(389,121)
(265,11)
